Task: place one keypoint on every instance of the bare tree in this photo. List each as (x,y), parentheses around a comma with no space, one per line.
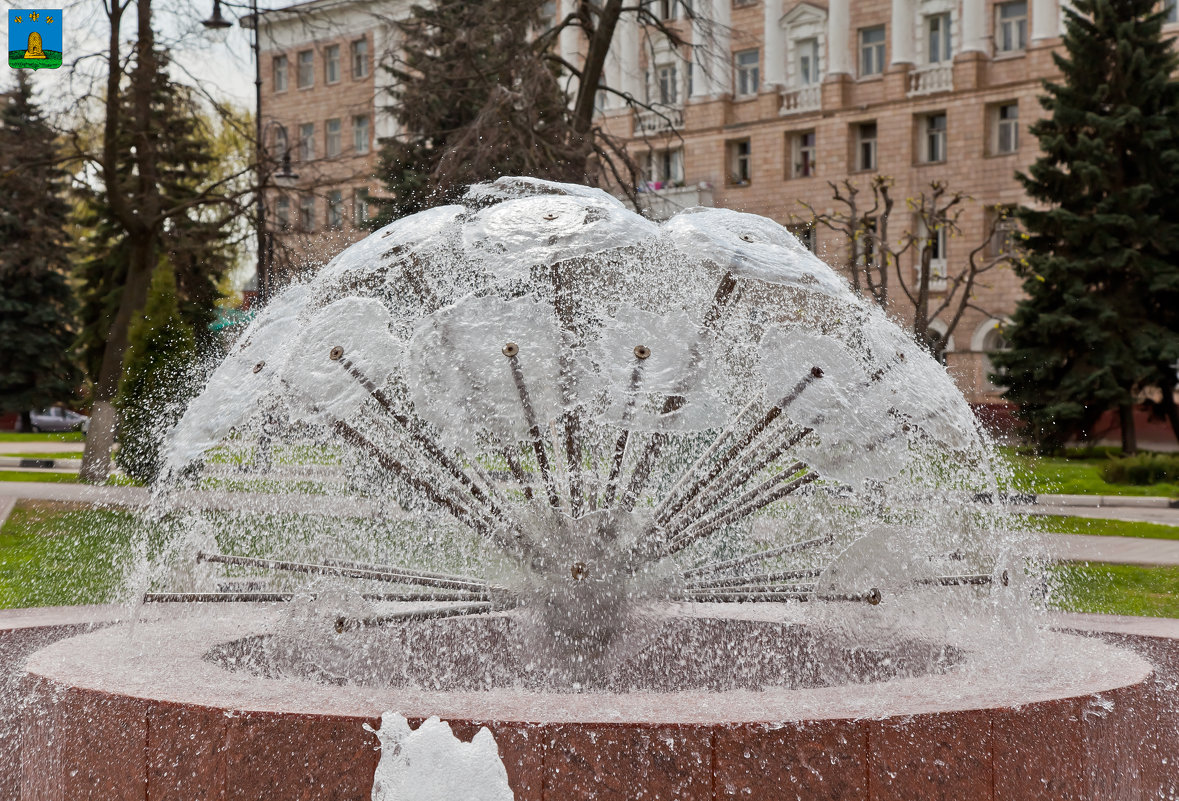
(870,254)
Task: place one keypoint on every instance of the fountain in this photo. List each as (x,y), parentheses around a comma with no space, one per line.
(668,509)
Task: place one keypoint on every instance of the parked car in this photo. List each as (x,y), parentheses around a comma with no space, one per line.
(58,418)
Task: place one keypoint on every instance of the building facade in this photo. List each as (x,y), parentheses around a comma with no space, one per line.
(767,107)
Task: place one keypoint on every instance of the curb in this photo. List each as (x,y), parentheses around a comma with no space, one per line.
(1132,501)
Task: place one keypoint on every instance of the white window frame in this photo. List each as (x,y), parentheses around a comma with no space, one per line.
(359,53)
(665,168)
(808,70)
(282,212)
(360,201)
(746,72)
(867,157)
(361,133)
(933,140)
(740,158)
(335,209)
(667,85)
(281,143)
(939,262)
(307,141)
(1005,127)
(281,65)
(331,64)
(1011,32)
(872,54)
(305,69)
(803,154)
(333,138)
(1171,10)
(939,37)
(307,213)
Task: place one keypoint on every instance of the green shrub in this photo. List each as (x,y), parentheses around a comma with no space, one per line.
(1145,468)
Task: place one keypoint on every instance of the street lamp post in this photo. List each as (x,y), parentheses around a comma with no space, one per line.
(217,22)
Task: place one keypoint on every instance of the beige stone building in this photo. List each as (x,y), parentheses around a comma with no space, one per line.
(770,101)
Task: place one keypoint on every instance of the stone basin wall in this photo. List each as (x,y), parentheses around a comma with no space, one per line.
(84,742)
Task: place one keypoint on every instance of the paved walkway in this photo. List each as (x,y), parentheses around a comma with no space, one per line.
(40,447)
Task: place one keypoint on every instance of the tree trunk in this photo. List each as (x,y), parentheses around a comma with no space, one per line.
(100,438)
(1129,437)
(1170,408)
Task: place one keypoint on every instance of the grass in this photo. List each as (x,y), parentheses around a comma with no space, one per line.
(1078,473)
(1117,589)
(65,436)
(62,554)
(43,477)
(44,455)
(1105,528)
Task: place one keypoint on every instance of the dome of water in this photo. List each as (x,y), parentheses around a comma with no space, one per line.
(541,405)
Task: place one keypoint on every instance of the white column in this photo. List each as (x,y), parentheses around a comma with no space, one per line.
(774,37)
(722,55)
(1045,19)
(630,72)
(569,43)
(974,26)
(904,28)
(838,33)
(613,76)
(384,122)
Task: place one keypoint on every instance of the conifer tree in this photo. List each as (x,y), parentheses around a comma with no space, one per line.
(476,100)
(36,306)
(157,377)
(1102,267)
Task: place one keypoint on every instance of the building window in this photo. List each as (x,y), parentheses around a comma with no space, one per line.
(1006,130)
(865,139)
(662,9)
(808,62)
(360,216)
(805,234)
(331,64)
(332,138)
(280,73)
(360,133)
(280,145)
(1170,11)
(802,154)
(940,42)
(282,212)
(665,168)
(1011,27)
(307,213)
(872,50)
(307,141)
(740,162)
(935,244)
(1005,236)
(933,138)
(666,85)
(335,209)
(993,341)
(306,69)
(548,15)
(746,72)
(360,59)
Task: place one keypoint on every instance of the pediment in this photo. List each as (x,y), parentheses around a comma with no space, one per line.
(803,14)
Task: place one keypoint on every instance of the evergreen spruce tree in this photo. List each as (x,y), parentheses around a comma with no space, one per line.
(157,378)
(1102,269)
(198,243)
(36,319)
(476,99)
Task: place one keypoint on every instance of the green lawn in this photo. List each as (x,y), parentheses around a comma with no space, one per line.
(54,554)
(46,477)
(1075,474)
(1105,528)
(1117,589)
(67,436)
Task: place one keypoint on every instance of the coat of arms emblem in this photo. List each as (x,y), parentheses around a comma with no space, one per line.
(34,38)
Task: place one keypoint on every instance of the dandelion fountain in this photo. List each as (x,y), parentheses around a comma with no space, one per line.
(667,509)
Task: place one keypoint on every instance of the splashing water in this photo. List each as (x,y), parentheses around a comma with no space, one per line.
(542,402)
